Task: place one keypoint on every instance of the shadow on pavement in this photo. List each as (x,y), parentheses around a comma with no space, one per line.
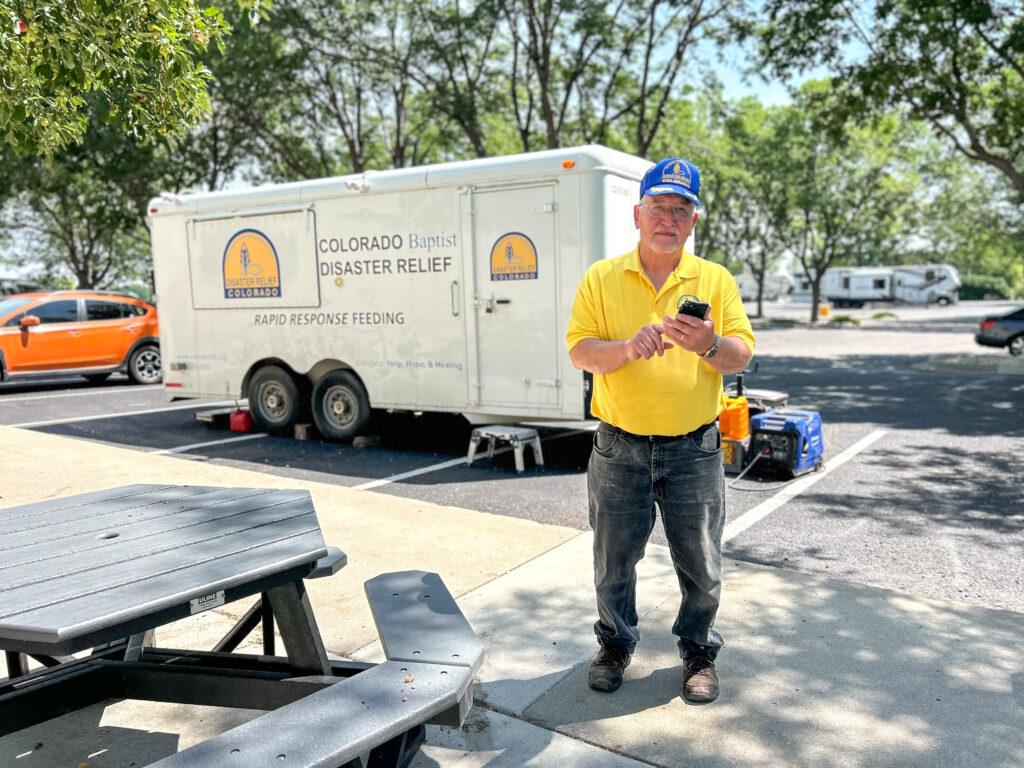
(816,672)
(885,391)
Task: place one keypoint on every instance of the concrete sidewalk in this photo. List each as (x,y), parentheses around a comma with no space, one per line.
(816,672)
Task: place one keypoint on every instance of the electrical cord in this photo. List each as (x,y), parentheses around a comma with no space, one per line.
(750,466)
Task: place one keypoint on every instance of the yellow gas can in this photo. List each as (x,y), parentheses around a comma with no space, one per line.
(734,420)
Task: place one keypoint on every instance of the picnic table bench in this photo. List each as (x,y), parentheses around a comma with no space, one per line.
(101,571)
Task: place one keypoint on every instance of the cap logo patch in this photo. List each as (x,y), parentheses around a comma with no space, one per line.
(676,173)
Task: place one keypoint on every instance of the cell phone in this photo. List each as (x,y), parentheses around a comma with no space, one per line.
(693,308)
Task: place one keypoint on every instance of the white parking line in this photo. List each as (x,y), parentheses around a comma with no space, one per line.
(187,448)
(451,463)
(76,419)
(86,393)
(794,489)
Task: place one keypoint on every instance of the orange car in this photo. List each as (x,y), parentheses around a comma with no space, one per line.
(92,333)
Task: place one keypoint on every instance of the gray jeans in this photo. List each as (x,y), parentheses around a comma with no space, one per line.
(629,478)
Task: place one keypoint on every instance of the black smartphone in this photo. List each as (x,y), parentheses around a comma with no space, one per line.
(693,308)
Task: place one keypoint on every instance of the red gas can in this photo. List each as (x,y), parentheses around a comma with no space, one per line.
(240,421)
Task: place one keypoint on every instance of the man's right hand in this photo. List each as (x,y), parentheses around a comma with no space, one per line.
(647,343)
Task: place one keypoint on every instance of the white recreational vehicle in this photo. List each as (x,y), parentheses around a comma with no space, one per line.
(776,286)
(906,284)
(927,283)
(439,288)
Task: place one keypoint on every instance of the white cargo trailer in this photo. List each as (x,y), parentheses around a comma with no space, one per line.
(438,288)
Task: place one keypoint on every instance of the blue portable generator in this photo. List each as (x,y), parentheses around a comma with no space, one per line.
(787,439)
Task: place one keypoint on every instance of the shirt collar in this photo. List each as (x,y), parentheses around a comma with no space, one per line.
(685,269)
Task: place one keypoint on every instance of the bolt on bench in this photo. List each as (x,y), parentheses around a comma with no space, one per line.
(101,571)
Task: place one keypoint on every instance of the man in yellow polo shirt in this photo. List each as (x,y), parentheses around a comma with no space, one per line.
(658,392)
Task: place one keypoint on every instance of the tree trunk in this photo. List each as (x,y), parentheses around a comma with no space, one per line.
(815,296)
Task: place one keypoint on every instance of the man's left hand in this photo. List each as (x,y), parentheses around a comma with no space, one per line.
(695,335)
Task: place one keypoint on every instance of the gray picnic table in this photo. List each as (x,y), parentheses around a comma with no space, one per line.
(102,571)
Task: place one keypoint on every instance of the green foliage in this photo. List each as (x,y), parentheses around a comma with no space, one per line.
(80,212)
(986,287)
(840,321)
(967,216)
(829,197)
(957,66)
(137,59)
(885,316)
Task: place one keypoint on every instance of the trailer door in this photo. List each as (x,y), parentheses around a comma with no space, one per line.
(512,323)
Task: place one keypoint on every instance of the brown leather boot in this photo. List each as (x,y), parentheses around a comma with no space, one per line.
(700,681)
(607,668)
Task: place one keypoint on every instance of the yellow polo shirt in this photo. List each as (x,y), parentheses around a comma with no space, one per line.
(669,395)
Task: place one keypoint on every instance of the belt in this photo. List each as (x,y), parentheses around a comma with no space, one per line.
(656,438)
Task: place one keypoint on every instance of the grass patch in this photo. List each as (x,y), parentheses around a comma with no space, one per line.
(838,321)
(885,316)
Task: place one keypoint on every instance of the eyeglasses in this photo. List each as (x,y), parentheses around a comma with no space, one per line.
(676,212)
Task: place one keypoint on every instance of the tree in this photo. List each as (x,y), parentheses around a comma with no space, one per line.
(755,204)
(79,210)
(968,218)
(138,60)
(957,65)
(587,70)
(844,192)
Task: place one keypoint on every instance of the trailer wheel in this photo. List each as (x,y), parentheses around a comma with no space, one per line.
(273,399)
(1016,346)
(341,406)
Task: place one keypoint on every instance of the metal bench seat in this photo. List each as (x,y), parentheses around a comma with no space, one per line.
(371,718)
(338,725)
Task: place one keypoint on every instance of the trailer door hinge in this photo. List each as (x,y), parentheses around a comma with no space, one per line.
(543,382)
(546,208)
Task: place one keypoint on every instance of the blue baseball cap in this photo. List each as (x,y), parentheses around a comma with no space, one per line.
(672,176)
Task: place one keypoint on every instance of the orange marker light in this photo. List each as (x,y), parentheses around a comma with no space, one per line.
(568,164)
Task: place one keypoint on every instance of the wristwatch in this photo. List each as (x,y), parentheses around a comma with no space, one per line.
(714,348)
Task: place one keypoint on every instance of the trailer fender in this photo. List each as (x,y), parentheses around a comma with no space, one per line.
(263,362)
(324,367)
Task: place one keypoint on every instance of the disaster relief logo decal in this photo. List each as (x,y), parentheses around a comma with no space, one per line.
(676,173)
(251,268)
(514,257)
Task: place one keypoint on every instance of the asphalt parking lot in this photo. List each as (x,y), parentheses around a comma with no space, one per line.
(924,454)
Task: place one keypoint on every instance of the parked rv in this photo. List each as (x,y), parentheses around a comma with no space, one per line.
(908,284)
(439,288)
(775,286)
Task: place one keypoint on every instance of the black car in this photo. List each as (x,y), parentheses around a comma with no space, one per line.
(1003,331)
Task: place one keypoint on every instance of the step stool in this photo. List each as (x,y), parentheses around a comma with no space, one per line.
(517,436)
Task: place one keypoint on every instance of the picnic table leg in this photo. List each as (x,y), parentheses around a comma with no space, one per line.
(302,641)
(17,664)
(133,652)
(267,621)
(260,613)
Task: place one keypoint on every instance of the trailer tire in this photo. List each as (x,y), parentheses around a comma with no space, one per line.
(341,406)
(274,401)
